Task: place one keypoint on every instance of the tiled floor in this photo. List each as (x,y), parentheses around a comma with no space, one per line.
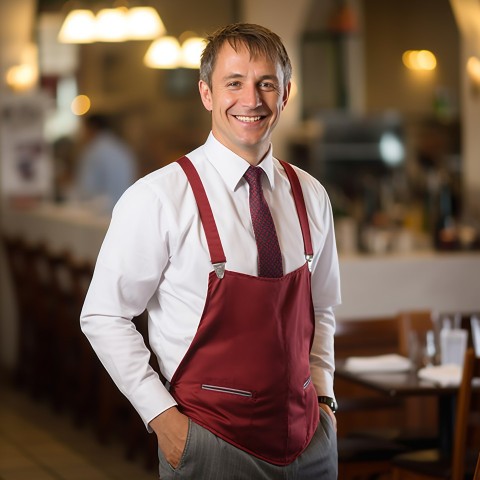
(36,444)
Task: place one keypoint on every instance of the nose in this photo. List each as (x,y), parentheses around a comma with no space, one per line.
(251,96)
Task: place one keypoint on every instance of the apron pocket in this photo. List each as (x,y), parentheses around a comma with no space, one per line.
(232,391)
(307,382)
(227,406)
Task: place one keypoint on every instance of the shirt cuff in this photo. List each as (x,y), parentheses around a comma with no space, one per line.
(323,382)
(150,400)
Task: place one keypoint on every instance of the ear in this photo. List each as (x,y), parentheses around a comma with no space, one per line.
(286,94)
(206,95)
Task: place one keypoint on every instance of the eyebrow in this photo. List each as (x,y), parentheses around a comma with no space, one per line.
(234,76)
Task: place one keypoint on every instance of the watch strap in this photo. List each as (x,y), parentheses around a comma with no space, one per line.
(328,401)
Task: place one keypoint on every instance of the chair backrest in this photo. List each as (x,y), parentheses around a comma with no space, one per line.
(476,476)
(471,370)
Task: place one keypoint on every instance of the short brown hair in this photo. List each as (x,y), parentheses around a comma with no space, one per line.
(257,39)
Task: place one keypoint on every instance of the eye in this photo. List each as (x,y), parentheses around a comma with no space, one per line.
(233,84)
(267,86)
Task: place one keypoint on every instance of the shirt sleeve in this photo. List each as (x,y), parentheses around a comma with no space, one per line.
(325,295)
(127,273)
(322,361)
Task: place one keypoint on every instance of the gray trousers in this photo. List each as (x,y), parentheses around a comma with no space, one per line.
(207,457)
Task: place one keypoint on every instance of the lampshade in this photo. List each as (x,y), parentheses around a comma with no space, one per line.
(192,49)
(164,52)
(144,23)
(112,25)
(78,27)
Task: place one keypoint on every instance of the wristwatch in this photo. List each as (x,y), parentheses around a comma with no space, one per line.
(328,401)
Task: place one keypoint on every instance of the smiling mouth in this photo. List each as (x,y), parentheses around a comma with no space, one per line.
(248,119)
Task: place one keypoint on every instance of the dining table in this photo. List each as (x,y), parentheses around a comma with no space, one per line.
(408,383)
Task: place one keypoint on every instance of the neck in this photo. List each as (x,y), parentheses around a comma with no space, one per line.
(253,157)
(254,160)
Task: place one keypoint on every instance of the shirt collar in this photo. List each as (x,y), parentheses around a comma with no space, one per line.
(231,166)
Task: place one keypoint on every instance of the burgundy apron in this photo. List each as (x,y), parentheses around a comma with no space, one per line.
(246,376)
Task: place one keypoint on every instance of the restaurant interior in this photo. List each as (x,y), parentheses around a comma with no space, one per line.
(384,111)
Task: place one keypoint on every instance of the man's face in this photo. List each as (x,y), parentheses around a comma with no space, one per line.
(246,99)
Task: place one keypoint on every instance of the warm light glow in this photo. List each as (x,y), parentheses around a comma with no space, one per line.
(419,60)
(21,77)
(293,90)
(426,60)
(144,23)
(80,105)
(78,27)
(473,69)
(112,25)
(163,53)
(192,49)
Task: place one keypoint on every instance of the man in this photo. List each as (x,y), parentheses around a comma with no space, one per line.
(218,246)
(106,164)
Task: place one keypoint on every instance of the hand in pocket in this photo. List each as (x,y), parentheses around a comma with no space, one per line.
(171,428)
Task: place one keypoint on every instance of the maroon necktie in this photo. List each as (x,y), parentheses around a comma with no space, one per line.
(269,256)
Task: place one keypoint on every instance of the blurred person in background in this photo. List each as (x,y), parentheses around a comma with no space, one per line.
(107,166)
(233,254)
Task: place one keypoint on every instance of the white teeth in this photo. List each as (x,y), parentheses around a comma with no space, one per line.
(248,119)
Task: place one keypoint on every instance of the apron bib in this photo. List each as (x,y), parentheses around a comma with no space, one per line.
(246,375)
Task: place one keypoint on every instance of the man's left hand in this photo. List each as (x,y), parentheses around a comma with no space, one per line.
(327,409)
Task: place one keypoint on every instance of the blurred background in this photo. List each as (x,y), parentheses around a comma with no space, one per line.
(385,112)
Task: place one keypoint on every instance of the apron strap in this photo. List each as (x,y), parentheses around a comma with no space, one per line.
(301,209)
(217,255)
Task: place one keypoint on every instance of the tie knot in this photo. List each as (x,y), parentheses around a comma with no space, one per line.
(253,175)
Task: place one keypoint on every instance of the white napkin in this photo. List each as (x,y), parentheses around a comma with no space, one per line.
(391,362)
(443,375)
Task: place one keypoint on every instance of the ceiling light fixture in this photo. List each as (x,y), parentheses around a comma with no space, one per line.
(118,24)
(144,23)
(164,52)
(79,27)
(111,25)
(192,49)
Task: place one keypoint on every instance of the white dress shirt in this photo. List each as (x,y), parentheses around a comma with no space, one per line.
(155,256)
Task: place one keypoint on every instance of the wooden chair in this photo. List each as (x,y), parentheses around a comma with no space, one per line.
(476,475)
(366,458)
(434,464)
(66,316)
(16,253)
(361,457)
(417,322)
(85,402)
(40,284)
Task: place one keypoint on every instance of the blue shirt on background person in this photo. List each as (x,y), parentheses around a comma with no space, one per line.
(106,164)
